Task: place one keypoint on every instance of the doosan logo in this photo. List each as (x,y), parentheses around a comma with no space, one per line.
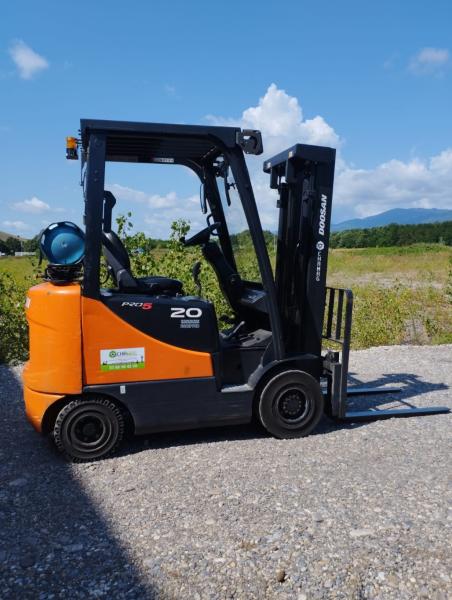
(320,246)
(322,219)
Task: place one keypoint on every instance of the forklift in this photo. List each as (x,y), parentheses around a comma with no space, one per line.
(141,356)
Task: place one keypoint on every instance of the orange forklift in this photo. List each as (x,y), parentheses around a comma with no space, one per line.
(141,356)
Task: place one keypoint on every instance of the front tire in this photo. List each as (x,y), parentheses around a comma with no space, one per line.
(291,404)
(88,429)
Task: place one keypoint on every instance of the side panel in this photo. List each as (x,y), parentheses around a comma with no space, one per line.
(53,315)
(104,333)
(182,321)
(179,404)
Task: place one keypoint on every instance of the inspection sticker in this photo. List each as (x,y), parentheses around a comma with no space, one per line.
(122,358)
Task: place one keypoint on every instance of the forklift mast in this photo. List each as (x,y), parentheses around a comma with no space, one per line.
(303,176)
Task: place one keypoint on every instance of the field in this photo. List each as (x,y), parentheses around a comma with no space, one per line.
(419,265)
(19,267)
(403,295)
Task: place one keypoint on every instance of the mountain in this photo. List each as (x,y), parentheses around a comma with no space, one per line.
(401,216)
(4,236)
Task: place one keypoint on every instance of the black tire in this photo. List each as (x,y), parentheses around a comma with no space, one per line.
(291,404)
(88,429)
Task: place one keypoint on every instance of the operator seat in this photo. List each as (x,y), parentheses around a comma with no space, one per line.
(119,262)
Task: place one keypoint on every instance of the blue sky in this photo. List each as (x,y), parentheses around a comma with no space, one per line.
(373,79)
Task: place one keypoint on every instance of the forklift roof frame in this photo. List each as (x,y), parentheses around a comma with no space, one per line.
(193,146)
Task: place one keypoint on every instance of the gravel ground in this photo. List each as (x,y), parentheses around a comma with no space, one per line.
(356,511)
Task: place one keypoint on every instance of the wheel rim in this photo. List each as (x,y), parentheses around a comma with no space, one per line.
(293,406)
(89,431)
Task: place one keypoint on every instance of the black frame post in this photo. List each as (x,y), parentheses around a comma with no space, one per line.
(94,196)
(245,190)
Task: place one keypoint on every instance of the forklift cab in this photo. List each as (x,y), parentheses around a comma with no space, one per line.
(215,155)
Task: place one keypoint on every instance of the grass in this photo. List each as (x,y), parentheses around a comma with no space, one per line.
(414,266)
(403,295)
(20,267)
(16,275)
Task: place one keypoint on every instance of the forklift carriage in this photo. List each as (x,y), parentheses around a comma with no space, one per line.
(142,356)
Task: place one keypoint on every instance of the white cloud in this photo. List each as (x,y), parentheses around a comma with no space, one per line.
(170,90)
(170,200)
(160,211)
(33,205)
(391,61)
(394,184)
(27,61)
(429,61)
(280,118)
(357,192)
(17,225)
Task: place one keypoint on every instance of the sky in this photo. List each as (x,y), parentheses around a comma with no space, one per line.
(372,79)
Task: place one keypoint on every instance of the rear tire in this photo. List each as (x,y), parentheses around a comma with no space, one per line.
(89,429)
(291,404)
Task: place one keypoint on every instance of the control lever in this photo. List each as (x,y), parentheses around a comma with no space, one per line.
(196,271)
(202,237)
(235,331)
(228,320)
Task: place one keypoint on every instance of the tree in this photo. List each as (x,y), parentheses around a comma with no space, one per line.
(31,245)
(13,244)
(4,248)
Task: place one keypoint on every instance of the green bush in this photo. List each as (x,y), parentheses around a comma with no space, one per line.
(13,324)
(379,316)
(400,315)
(449,282)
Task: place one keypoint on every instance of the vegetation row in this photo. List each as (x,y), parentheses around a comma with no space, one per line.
(418,312)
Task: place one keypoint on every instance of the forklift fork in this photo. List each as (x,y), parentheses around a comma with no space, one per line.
(338,325)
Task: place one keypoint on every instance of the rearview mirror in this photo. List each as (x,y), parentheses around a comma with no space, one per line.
(203,199)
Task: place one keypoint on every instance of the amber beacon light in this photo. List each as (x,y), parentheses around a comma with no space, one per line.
(71,148)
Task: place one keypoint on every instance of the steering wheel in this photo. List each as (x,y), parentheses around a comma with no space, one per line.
(203,236)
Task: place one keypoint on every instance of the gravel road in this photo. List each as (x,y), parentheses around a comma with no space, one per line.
(356,511)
